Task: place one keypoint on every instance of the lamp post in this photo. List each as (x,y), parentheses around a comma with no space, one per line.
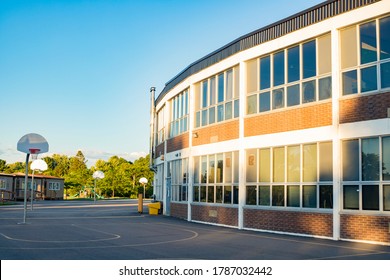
(31,143)
(39,165)
(143,181)
(96,175)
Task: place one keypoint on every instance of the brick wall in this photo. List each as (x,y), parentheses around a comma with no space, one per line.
(291,119)
(217,133)
(365,227)
(178,142)
(319,224)
(159,150)
(364,107)
(179,210)
(215,214)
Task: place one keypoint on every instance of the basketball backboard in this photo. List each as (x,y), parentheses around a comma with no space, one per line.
(32,143)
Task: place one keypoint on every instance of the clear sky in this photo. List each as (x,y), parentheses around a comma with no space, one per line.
(78,72)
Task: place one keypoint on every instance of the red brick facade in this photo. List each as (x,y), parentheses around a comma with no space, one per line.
(365,227)
(291,119)
(179,210)
(364,107)
(159,150)
(178,143)
(216,133)
(215,214)
(319,224)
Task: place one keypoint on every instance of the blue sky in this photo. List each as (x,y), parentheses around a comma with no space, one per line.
(78,72)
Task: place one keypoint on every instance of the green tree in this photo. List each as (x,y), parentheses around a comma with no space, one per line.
(3,164)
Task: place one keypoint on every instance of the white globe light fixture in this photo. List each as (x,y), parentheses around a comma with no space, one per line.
(143,181)
(39,165)
(96,175)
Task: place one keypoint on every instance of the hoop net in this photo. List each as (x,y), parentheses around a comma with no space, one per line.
(34,153)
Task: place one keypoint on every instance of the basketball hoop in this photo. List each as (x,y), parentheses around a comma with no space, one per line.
(34,153)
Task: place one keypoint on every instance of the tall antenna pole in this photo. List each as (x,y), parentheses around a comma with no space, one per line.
(152,116)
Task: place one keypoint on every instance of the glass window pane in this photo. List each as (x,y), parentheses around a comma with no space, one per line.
(203,170)
(326,197)
(278,165)
(251,104)
(204,94)
(229,85)
(309,196)
(368,50)
(211,169)
(251,165)
(326,161)
(251,78)
(293,196)
(197,119)
(370,159)
(350,82)
(370,197)
(202,193)
(386,158)
(218,194)
(265,72)
(212,115)
(251,195)
(212,91)
(350,160)
(196,169)
(386,197)
(220,113)
(277,195)
(348,47)
(228,110)
(228,168)
(221,88)
(196,193)
(236,108)
(293,95)
(227,195)
(236,167)
(310,163)
(351,197)
(293,64)
(219,168)
(277,98)
(264,165)
(236,92)
(368,79)
(235,194)
(384,31)
(324,54)
(325,88)
(204,117)
(309,92)
(264,196)
(385,75)
(309,59)
(293,164)
(210,194)
(265,101)
(278,68)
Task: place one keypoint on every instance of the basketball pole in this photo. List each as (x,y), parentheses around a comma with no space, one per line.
(25,189)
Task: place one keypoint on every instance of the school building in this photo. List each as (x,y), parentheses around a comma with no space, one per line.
(285,129)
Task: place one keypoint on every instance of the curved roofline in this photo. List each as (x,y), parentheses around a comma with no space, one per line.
(270,32)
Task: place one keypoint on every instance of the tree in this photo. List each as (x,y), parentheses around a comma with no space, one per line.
(3,164)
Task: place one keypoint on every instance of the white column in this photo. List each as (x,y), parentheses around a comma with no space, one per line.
(191,114)
(336,93)
(242,165)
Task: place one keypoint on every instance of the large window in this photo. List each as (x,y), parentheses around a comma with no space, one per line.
(179,114)
(179,179)
(365,57)
(217,98)
(365,173)
(160,126)
(3,184)
(298,176)
(216,178)
(290,77)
